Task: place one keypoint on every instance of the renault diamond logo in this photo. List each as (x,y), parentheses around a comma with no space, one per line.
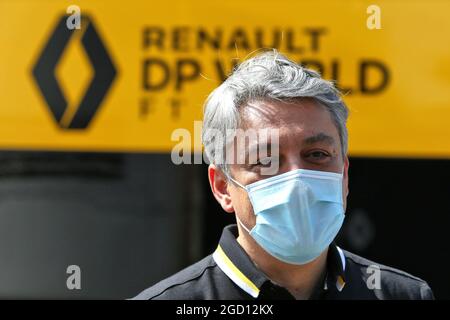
(104,73)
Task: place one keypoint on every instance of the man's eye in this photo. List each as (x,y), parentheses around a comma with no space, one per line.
(318,155)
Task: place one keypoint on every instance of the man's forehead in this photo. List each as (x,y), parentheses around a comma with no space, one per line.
(302,121)
(273,113)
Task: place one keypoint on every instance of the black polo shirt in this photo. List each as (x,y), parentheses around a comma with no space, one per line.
(229,274)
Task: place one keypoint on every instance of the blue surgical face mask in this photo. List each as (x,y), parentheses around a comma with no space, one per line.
(298,213)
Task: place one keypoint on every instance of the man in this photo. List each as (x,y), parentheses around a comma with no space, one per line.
(289,203)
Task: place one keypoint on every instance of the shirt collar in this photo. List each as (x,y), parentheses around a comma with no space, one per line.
(237,265)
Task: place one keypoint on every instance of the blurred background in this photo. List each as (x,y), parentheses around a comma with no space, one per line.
(91,92)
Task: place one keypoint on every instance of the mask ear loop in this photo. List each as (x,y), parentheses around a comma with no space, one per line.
(236,182)
(242,225)
(343,169)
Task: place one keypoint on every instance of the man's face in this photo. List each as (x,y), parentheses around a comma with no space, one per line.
(308,139)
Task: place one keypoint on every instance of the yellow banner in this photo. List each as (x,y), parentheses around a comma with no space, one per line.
(122,76)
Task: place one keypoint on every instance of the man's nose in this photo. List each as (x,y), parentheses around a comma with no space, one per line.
(293,162)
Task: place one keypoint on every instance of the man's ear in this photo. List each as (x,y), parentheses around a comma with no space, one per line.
(219,188)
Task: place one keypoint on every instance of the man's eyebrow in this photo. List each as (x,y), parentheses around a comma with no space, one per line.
(320,137)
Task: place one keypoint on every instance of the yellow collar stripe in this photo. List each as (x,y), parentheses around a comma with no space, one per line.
(228,267)
(340,283)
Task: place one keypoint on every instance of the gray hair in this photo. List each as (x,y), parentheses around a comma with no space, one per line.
(266,76)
